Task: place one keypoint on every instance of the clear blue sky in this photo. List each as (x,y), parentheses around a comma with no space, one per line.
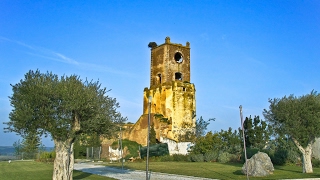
(242,52)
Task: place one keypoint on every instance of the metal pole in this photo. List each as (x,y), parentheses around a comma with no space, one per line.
(92,153)
(244,141)
(118,148)
(148,138)
(121,148)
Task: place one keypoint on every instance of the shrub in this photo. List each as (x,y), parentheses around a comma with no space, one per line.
(279,157)
(315,162)
(234,158)
(293,156)
(224,157)
(180,157)
(47,156)
(210,156)
(196,157)
(132,146)
(166,158)
(250,153)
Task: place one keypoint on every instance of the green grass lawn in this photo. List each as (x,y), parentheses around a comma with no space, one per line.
(31,170)
(217,170)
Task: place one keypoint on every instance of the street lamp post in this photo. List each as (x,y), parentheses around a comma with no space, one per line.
(148,138)
(244,140)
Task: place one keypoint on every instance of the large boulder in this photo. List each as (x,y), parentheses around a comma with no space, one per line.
(258,165)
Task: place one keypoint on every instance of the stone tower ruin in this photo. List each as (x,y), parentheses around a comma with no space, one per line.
(173,104)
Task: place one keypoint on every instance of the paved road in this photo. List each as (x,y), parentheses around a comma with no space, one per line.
(127,174)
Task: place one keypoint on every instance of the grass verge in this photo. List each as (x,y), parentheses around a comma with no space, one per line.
(31,170)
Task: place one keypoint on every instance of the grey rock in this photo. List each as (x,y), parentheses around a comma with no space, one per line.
(259,165)
(316,149)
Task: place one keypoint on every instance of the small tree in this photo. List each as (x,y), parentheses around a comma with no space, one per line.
(204,144)
(257,132)
(299,118)
(64,108)
(17,147)
(30,145)
(230,141)
(201,126)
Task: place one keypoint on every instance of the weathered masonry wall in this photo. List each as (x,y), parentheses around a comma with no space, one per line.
(173,104)
(168,61)
(176,102)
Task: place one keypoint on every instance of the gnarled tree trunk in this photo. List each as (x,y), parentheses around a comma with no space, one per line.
(64,161)
(306,156)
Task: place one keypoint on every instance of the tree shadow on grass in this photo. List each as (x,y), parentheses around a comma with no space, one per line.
(102,171)
(238,172)
(218,173)
(80,175)
(290,170)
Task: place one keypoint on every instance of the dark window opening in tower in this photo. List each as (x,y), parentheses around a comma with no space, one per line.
(178,57)
(159,78)
(178,76)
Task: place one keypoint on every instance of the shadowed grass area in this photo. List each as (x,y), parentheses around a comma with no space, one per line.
(217,170)
(31,170)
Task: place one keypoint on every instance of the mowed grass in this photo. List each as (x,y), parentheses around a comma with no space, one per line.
(217,170)
(31,170)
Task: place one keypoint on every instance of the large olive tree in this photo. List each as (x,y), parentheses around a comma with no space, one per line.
(62,107)
(299,118)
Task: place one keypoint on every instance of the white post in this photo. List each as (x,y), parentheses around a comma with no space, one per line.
(244,141)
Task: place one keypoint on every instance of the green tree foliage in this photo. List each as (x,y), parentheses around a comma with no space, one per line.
(205,144)
(17,147)
(80,151)
(93,140)
(84,141)
(131,146)
(282,150)
(212,145)
(30,145)
(160,149)
(153,138)
(299,118)
(257,132)
(230,141)
(201,126)
(64,108)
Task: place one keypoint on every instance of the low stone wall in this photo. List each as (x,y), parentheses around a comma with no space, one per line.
(177,148)
(115,154)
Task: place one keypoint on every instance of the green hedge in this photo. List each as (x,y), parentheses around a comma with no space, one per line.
(155,150)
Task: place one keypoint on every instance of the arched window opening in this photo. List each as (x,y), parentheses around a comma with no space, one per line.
(178,76)
(178,57)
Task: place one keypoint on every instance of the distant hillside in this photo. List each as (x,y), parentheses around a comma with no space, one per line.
(5,150)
